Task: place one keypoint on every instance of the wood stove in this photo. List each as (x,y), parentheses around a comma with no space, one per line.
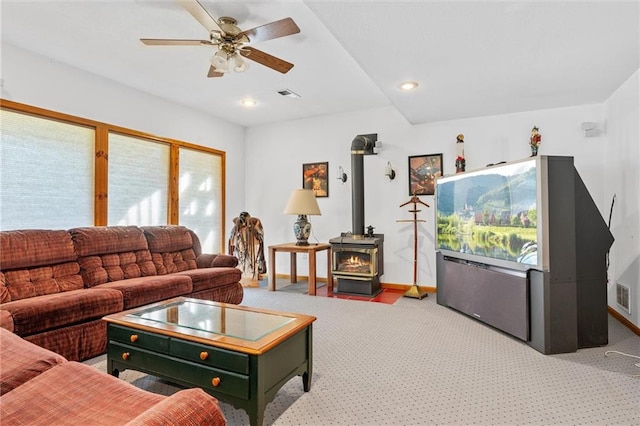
(357,260)
(357,264)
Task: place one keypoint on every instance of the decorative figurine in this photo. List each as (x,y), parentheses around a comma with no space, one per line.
(535,140)
(460,161)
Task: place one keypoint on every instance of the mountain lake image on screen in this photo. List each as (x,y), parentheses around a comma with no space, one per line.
(490,213)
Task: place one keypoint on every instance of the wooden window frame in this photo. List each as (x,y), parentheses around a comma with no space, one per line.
(101,159)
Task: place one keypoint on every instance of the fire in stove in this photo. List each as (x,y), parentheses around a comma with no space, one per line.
(355,262)
(354,265)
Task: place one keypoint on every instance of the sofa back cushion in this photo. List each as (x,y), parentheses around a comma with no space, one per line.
(111,253)
(171,247)
(36,262)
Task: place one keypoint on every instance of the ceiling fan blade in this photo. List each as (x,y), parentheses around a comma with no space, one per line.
(200,13)
(265,59)
(174,42)
(281,28)
(213,73)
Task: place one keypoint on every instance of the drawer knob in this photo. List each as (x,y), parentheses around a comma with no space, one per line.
(215,381)
(125,355)
(134,338)
(204,355)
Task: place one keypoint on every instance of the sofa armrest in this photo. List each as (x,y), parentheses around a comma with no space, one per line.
(216,260)
(186,407)
(6,320)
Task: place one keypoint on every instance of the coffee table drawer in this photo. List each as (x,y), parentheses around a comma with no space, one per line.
(139,338)
(180,371)
(218,381)
(208,355)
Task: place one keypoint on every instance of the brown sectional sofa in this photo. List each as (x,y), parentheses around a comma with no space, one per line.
(56,285)
(39,387)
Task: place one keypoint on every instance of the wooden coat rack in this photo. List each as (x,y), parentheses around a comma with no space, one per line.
(415,291)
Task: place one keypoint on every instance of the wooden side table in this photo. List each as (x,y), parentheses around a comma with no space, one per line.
(293,249)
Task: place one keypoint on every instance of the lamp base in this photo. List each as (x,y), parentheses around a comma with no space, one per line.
(302,230)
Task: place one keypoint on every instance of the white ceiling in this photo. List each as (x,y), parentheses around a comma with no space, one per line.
(470,58)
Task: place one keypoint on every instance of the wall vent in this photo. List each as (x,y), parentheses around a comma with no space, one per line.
(623,296)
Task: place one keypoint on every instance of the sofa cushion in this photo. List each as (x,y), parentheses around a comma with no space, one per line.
(74,342)
(186,407)
(5,296)
(169,263)
(107,239)
(167,238)
(35,247)
(216,260)
(208,278)
(22,361)
(100,269)
(112,253)
(6,320)
(171,248)
(41,313)
(41,280)
(78,394)
(230,293)
(144,290)
(36,262)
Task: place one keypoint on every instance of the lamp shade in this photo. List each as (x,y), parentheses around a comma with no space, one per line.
(240,64)
(302,202)
(219,61)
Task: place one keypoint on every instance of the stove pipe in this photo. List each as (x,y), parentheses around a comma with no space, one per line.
(362,145)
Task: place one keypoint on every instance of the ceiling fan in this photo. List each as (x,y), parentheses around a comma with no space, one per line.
(231,41)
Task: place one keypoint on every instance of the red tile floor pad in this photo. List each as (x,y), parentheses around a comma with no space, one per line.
(387,295)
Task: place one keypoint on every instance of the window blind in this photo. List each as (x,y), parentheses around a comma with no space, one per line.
(200,194)
(138,181)
(46,173)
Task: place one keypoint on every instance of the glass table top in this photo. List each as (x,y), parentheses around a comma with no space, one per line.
(223,320)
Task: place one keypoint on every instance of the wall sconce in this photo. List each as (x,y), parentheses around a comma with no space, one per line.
(389,172)
(341,174)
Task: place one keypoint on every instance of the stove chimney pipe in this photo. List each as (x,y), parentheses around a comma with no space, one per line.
(362,145)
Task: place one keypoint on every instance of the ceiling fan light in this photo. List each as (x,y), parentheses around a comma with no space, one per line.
(219,61)
(240,64)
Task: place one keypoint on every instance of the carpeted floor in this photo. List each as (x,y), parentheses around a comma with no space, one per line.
(416,362)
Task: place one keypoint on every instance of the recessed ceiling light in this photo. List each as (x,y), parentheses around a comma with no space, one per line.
(408,85)
(248,102)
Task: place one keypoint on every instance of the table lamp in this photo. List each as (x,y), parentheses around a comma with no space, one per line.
(302,203)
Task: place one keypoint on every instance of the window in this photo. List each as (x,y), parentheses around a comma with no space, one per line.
(59,171)
(200,195)
(46,173)
(138,181)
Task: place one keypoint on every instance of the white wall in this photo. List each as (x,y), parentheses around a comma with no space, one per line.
(285,146)
(622,178)
(34,80)
(264,164)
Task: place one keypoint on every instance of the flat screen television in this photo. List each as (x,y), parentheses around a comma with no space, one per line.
(492,216)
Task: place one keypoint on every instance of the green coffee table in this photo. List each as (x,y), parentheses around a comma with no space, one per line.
(240,355)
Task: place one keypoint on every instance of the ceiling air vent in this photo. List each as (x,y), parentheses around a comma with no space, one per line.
(289,93)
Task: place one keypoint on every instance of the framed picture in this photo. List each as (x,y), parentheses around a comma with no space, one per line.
(316,176)
(423,171)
